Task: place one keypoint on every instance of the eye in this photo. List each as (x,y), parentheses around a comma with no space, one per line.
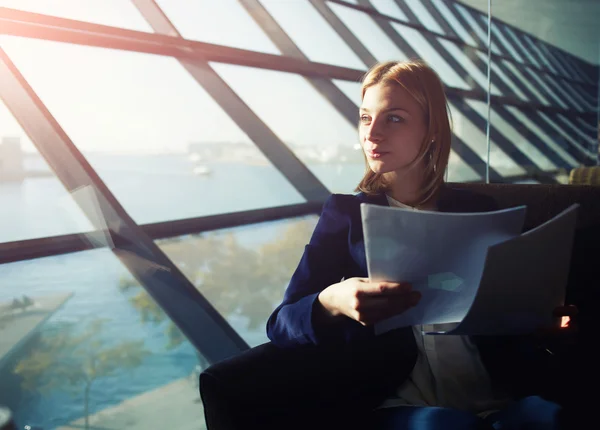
(365,119)
(394,118)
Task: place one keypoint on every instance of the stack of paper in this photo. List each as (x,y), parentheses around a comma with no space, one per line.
(473,269)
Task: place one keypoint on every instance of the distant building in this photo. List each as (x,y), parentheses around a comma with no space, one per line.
(11,160)
(202,152)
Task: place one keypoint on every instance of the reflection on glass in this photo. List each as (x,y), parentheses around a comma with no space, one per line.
(158,140)
(116,13)
(545,134)
(474,26)
(321,43)
(499,74)
(465,127)
(435,59)
(223,22)
(76,351)
(304,120)
(34,202)
(369,33)
(523,80)
(476,77)
(459,171)
(389,8)
(448,14)
(350,89)
(510,132)
(243,271)
(420,10)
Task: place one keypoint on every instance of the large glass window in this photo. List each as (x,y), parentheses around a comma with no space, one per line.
(116,13)
(34,202)
(551,50)
(365,28)
(306,121)
(75,346)
(242,271)
(321,43)
(148,127)
(223,22)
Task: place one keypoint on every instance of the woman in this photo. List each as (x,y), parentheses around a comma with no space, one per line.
(457,382)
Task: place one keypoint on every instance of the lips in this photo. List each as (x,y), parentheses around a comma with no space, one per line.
(375,154)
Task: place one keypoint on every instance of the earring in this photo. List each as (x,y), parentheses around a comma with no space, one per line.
(431,161)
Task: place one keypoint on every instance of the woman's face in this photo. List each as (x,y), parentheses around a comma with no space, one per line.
(392,127)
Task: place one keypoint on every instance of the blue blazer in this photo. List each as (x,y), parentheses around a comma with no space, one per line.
(336,250)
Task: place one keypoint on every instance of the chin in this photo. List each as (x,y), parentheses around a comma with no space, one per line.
(380,168)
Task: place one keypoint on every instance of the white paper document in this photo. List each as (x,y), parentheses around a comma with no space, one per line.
(473,269)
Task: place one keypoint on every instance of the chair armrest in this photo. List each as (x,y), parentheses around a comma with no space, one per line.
(272,386)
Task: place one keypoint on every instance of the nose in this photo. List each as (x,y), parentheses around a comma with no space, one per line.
(374,132)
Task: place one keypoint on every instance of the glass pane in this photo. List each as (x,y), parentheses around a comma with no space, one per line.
(449,15)
(369,33)
(469,126)
(34,202)
(514,135)
(304,120)
(321,44)
(500,74)
(159,141)
(563,40)
(475,27)
(223,22)
(459,171)
(476,75)
(116,13)
(256,262)
(389,8)
(574,133)
(522,77)
(419,9)
(437,60)
(76,318)
(350,89)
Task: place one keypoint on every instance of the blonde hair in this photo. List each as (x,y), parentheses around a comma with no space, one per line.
(425,86)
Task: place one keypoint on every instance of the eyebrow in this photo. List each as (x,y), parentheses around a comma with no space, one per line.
(386,110)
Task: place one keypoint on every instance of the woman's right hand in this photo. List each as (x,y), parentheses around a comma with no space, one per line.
(368,302)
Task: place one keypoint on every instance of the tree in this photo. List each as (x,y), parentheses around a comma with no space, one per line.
(237,280)
(74,359)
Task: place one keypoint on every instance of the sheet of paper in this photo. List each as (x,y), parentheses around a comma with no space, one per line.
(441,254)
(523,281)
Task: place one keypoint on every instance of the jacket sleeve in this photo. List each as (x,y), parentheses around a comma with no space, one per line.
(324,262)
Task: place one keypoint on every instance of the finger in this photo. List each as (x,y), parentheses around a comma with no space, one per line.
(377,309)
(383,302)
(384,288)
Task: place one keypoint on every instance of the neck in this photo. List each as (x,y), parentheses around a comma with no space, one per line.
(407,187)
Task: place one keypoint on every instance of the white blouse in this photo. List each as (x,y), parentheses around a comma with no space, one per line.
(448,371)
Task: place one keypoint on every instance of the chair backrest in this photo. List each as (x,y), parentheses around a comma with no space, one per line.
(544,201)
(585,176)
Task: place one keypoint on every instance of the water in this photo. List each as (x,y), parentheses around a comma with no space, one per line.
(151,189)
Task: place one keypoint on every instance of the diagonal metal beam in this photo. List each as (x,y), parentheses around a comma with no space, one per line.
(198,320)
(70,243)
